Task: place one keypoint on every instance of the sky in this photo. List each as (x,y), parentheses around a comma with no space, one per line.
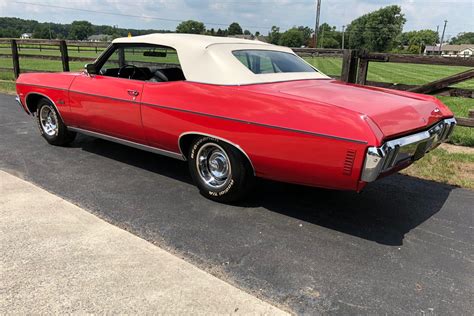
(254,15)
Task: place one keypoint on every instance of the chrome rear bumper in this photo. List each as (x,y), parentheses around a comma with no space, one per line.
(398,151)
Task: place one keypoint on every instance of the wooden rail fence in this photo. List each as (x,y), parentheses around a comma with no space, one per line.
(355,64)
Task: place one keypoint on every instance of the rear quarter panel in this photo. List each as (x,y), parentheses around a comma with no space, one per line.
(260,126)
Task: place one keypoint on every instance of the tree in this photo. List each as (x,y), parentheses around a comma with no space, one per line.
(191,27)
(80,30)
(42,31)
(292,38)
(416,41)
(376,31)
(235,29)
(307,34)
(247,32)
(463,38)
(274,35)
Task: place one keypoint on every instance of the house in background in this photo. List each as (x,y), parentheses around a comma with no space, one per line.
(100,38)
(463,50)
(26,36)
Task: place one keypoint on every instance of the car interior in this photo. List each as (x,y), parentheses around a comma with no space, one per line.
(152,74)
(146,63)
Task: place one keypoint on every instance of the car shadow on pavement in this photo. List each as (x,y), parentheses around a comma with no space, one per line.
(384,212)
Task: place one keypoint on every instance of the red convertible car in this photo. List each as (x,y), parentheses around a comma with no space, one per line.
(235,110)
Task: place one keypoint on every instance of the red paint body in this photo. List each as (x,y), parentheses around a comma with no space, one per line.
(295,131)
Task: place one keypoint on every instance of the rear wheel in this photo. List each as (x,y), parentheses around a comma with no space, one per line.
(221,172)
(51,125)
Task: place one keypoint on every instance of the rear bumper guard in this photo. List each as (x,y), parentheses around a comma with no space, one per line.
(396,152)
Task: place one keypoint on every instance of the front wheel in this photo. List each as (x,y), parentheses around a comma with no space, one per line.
(51,125)
(221,172)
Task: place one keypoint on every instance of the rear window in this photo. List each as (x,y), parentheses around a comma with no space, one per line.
(267,61)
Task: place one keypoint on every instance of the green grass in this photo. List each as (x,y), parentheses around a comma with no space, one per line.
(7,87)
(460,106)
(411,74)
(442,165)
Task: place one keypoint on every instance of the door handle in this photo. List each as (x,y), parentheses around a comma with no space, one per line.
(133,93)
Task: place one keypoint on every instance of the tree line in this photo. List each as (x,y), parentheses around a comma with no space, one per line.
(77,30)
(377,31)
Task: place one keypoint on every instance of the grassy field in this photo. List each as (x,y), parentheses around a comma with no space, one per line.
(447,164)
(411,74)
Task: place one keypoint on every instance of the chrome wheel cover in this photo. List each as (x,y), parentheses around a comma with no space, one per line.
(48,121)
(213,165)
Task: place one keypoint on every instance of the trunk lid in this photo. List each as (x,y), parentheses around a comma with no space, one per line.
(394,112)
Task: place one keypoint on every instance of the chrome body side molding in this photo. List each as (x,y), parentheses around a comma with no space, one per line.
(129,143)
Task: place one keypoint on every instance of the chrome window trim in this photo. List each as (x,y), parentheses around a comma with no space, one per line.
(129,143)
(384,158)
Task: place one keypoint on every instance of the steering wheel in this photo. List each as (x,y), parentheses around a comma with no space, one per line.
(135,68)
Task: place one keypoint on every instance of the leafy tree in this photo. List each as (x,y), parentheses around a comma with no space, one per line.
(307,34)
(235,29)
(416,41)
(292,38)
(463,38)
(80,30)
(376,31)
(247,32)
(274,35)
(191,27)
(42,31)
(222,32)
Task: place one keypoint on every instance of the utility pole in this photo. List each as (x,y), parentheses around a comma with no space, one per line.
(322,39)
(343,35)
(316,26)
(442,36)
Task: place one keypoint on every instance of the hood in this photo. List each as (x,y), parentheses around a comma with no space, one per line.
(394,112)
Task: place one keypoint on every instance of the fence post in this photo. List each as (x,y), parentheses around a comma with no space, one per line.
(64,55)
(15,58)
(363,68)
(349,66)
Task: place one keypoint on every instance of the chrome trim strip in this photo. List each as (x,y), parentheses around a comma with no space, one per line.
(383,158)
(219,117)
(45,96)
(259,124)
(129,143)
(25,109)
(40,86)
(216,137)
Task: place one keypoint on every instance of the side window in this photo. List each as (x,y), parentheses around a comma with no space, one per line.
(143,62)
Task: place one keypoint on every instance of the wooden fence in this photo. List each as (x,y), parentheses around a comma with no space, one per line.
(355,64)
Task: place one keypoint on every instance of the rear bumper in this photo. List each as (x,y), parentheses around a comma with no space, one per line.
(395,154)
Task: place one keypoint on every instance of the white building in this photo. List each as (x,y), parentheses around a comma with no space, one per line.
(464,50)
(26,36)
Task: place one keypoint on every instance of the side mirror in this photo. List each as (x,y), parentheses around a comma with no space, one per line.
(90,69)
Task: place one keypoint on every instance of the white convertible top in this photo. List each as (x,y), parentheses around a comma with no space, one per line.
(209,59)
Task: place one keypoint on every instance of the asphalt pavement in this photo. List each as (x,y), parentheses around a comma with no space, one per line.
(402,246)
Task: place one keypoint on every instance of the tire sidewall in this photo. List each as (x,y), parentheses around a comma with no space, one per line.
(41,105)
(228,190)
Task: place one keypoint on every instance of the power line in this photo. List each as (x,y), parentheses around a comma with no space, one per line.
(130,15)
